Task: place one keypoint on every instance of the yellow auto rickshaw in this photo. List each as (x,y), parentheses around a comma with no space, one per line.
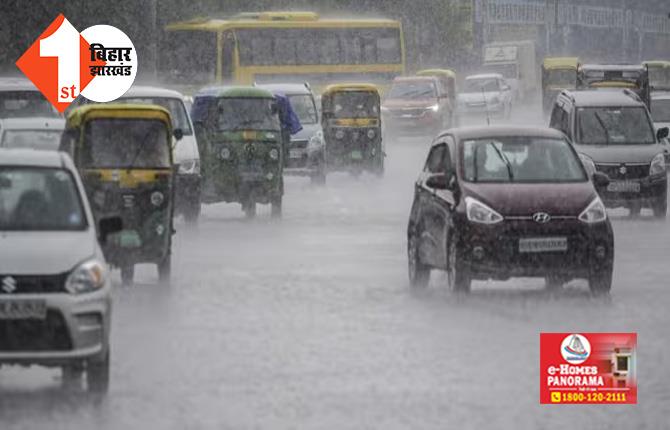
(558,74)
(447,78)
(124,154)
(351,122)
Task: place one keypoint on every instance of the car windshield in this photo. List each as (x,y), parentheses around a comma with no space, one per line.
(33,198)
(562,78)
(126,143)
(173,105)
(356,104)
(304,107)
(246,114)
(481,85)
(614,125)
(25,104)
(660,110)
(412,90)
(521,159)
(35,139)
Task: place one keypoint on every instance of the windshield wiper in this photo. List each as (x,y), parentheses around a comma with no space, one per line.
(505,160)
(602,124)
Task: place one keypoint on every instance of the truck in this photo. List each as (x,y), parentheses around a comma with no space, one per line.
(516,62)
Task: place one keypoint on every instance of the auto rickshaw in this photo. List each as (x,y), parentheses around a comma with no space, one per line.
(124,155)
(351,123)
(659,75)
(448,79)
(616,77)
(558,74)
(240,140)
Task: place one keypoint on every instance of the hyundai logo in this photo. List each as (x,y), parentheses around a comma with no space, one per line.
(541,217)
(8,284)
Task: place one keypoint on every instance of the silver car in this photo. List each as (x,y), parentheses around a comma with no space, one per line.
(55,290)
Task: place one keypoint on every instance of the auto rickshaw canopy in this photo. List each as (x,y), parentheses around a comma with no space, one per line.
(551,63)
(360,87)
(446,73)
(79,116)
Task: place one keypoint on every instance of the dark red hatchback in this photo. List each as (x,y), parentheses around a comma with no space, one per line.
(503,202)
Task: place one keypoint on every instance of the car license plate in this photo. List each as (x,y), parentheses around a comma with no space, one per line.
(22,309)
(543,244)
(356,155)
(295,153)
(624,187)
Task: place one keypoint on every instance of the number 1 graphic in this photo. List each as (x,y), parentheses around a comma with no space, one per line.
(64,45)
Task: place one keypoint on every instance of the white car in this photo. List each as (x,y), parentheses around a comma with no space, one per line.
(55,291)
(35,133)
(485,94)
(19,98)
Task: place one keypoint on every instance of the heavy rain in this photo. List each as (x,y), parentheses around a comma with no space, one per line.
(333,214)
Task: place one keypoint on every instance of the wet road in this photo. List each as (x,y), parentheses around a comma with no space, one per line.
(308,322)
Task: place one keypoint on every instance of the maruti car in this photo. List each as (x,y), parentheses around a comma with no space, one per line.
(55,290)
(613,133)
(485,95)
(499,202)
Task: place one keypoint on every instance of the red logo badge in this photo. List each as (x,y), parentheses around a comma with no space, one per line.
(588,368)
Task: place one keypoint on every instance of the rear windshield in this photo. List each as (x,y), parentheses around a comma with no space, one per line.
(173,105)
(35,139)
(614,126)
(304,107)
(25,104)
(412,90)
(660,110)
(33,198)
(355,104)
(521,159)
(246,114)
(563,78)
(481,85)
(126,143)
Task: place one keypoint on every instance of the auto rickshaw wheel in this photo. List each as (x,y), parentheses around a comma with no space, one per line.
(249,209)
(127,274)
(165,269)
(192,213)
(276,210)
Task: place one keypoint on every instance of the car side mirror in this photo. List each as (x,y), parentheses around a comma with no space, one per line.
(600,180)
(438,181)
(109,225)
(178,133)
(662,133)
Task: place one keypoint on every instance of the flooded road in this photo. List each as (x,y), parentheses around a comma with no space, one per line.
(308,322)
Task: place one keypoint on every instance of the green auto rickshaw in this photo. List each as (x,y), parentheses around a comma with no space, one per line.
(352,128)
(240,141)
(124,155)
(558,74)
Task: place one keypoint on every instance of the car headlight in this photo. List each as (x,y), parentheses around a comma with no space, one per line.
(594,212)
(434,107)
(480,213)
(87,277)
(588,163)
(157,198)
(274,154)
(657,165)
(225,154)
(189,167)
(339,134)
(371,134)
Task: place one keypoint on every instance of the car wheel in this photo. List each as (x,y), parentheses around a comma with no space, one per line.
(127,274)
(660,207)
(72,376)
(457,273)
(600,281)
(419,273)
(192,212)
(249,209)
(97,374)
(165,269)
(276,210)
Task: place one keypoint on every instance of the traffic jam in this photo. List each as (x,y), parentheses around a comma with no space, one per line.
(291,225)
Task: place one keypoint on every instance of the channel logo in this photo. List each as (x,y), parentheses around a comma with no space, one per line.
(99,63)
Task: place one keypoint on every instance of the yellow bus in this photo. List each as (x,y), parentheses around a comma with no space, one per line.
(269,47)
